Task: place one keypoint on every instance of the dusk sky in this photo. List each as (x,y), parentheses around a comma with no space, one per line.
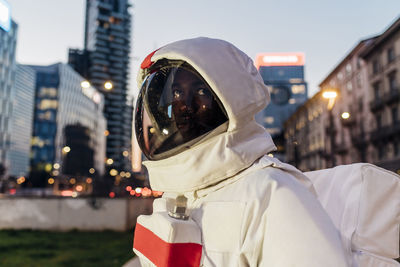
(324,30)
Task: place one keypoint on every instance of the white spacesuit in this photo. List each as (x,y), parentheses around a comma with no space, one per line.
(229,204)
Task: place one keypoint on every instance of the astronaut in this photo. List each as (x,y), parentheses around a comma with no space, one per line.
(234,204)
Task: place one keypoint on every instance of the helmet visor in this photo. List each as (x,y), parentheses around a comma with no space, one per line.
(175,109)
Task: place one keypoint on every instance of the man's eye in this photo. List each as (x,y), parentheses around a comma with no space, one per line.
(177,94)
(203,92)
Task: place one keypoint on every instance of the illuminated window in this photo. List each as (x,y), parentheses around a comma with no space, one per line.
(298,89)
(269,120)
(48,115)
(47,104)
(47,92)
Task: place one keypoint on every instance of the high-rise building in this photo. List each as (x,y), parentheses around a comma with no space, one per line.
(22,120)
(8,40)
(105,63)
(69,127)
(284,73)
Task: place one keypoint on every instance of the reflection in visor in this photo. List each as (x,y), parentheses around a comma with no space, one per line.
(175,108)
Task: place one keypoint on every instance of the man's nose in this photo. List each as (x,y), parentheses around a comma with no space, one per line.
(188,102)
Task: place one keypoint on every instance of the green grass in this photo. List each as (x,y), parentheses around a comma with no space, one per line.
(42,248)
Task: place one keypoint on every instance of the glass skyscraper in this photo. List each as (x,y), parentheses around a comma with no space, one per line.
(284,74)
(8,40)
(22,120)
(68,132)
(105,63)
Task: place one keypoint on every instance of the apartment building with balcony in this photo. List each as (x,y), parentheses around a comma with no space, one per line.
(363,125)
(337,134)
(305,135)
(383,68)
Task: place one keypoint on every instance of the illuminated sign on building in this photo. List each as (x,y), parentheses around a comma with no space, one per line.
(5,16)
(280,59)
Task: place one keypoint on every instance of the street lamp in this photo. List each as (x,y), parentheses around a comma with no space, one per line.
(331,95)
(345,115)
(85,84)
(108,85)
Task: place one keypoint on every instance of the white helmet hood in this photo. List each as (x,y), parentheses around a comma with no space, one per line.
(238,85)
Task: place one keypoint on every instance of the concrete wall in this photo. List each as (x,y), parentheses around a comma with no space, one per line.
(63,214)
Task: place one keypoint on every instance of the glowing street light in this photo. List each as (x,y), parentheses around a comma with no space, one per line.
(109,161)
(113,172)
(85,84)
(66,149)
(21,180)
(345,115)
(108,85)
(331,96)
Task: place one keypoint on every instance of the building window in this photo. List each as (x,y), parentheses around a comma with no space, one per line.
(298,89)
(390,55)
(378,119)
(360,104)
(377,91)
(392,82)
(358,78)
(380,152)
(47,104)
(375,66)
(358,63)
(396,146)
(349,86)
(348,69)
(395,116)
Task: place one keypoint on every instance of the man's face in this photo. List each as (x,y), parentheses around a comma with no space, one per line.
(192,103)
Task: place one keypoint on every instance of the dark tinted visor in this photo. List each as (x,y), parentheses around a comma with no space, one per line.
(175,109)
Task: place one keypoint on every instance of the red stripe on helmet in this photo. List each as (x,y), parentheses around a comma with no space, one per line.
(147,61)
(164,254)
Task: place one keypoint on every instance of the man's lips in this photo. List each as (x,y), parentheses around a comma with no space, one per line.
(185,122)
